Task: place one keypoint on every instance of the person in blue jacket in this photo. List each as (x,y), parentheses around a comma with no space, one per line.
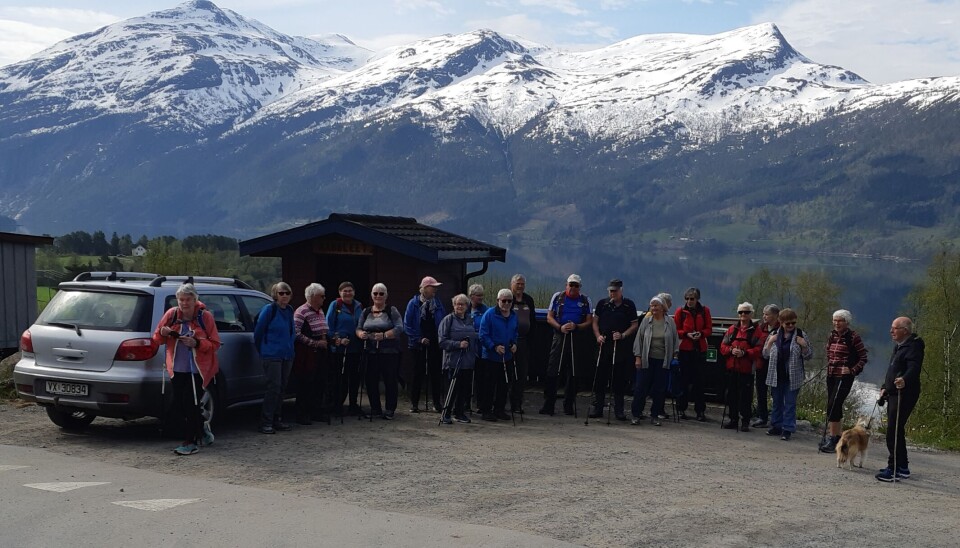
(475,311)
(343,318)
(498,341)
(273,337)
(421,323)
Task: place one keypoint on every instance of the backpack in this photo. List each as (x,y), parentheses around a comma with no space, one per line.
(559,300)
(200,309)
(750,338)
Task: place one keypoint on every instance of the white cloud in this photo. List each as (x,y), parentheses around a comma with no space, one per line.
(519,24)
(568,7)
(407,6)
(593,29)
(76,20)
(881,40)
(21,40)
(380,43)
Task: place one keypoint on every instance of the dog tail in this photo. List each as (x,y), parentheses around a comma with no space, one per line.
(843,447)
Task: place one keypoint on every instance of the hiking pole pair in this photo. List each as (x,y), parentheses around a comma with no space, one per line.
(613,367)
(573,371)
(362,369)
(586,421)
(896,436)
(826,420)
(453,383)
(503,360)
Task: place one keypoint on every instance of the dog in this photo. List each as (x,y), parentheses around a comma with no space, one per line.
(853,442)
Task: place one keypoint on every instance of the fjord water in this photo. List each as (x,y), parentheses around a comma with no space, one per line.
(873,290)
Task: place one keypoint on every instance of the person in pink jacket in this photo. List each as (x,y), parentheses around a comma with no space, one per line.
(189,332)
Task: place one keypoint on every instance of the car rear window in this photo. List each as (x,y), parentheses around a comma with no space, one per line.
(109,311)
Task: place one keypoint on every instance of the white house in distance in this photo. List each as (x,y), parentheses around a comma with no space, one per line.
(139,251)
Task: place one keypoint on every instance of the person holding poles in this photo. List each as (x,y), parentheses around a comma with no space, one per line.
(526,311)
(614,324)
(421,321)
(570,311)
(498,340)
(475,311)
(459,342)
(343,317)
(770,323)
(694,324)
(379,329)
(846,358)
(741,348)
(901,388)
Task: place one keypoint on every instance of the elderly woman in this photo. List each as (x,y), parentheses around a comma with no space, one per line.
(379,330)
(785,350)
(273,337)
(189,332)
(421,323)
(309,365)
(498,337)
(741,348)
(343,316)
(694,325)
(459,341)
(476,310)
(655,345)
(846,358)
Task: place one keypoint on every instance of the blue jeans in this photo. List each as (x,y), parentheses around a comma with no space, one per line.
(276,371)
(651,380)
(784,413)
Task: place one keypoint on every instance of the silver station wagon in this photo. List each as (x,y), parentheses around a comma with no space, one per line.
(90,354)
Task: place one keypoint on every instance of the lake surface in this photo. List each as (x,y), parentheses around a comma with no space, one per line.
(873,290)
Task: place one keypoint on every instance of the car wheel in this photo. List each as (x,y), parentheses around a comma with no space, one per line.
(210,403)
(70,420)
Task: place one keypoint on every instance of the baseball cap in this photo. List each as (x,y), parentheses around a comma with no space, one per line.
(573,278)
(429,281)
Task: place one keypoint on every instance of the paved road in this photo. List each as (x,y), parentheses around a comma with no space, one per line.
(49,499)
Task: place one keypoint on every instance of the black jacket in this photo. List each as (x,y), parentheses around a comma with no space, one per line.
(905,362)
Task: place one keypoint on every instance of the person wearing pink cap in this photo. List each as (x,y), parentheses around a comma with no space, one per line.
(421,323)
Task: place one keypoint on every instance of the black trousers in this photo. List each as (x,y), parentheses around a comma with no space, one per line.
(346,377)
(387,367)
(620,371)
(309,388)
(693,364)
(838,388)
(427,362)
(521,359)
(739,395)
(460,397)
(561,362)
(763,412)
(187,406)
(494,375)
(896,439)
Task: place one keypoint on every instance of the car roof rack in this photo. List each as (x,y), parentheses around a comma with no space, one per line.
(158,280)
(114,276)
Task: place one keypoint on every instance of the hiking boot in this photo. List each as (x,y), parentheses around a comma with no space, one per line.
(655,421)
(635,421)
(502,416)
(759,423)
(621,417)
(683,416)
(281,426)
(701,417)
(731,425)
(445,419)
(489,417)
(354,410)
(463,418)
(545,411)
(903,472)
(267,430)
(785,436)
(830,445)
(745,425)
(641,416)
(208,437)
(595,413)
(567,410)
(774,431)
(186,449)
(415,409)
(886,475)
(662,416)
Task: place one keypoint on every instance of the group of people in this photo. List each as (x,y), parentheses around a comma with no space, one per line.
(481,351)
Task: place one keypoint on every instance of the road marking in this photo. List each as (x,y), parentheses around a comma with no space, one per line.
(155,505)
(5,467)
(64,486)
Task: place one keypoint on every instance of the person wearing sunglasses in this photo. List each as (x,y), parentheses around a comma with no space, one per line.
(379,331)
(570,311)
(846,358)
(694,324)
(741,348)
(498,341)
(785,350)
(421,323)
(274,335)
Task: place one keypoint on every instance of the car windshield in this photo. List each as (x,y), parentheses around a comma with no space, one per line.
(98,310)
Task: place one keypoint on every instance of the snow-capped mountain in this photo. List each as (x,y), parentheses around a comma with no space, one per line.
(188,68)
(276,129)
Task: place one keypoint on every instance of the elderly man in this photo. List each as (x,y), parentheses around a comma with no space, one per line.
(421,323)
(614,325)
(527,320)
(901,389)
(570,311)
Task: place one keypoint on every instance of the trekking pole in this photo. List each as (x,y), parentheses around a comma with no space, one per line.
(586,421)
(453,382)
(379,364)
(896,435)
(342,379)
(826,420)
(426,378)
(573,371)
(726,401)
(362,369)
(613,367)
(506,376)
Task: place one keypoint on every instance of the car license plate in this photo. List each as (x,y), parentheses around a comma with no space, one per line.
(67,388)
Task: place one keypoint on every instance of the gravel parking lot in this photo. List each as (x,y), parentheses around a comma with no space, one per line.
(682,484)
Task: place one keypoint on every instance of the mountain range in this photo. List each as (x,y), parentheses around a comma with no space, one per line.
(196,119)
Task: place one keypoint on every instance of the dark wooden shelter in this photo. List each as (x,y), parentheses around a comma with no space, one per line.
(366,249)
(18,291)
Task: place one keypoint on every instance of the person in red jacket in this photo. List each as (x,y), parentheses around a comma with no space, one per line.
(694,325)
(740,347)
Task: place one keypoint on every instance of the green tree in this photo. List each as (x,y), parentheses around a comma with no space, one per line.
(114,244)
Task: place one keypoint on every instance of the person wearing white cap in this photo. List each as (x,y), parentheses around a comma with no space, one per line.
(421,323)
(570,311)
(741,346)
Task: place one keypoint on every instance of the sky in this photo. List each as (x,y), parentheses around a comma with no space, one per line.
(881,40)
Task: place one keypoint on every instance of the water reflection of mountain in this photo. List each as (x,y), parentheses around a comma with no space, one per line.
(873,290)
